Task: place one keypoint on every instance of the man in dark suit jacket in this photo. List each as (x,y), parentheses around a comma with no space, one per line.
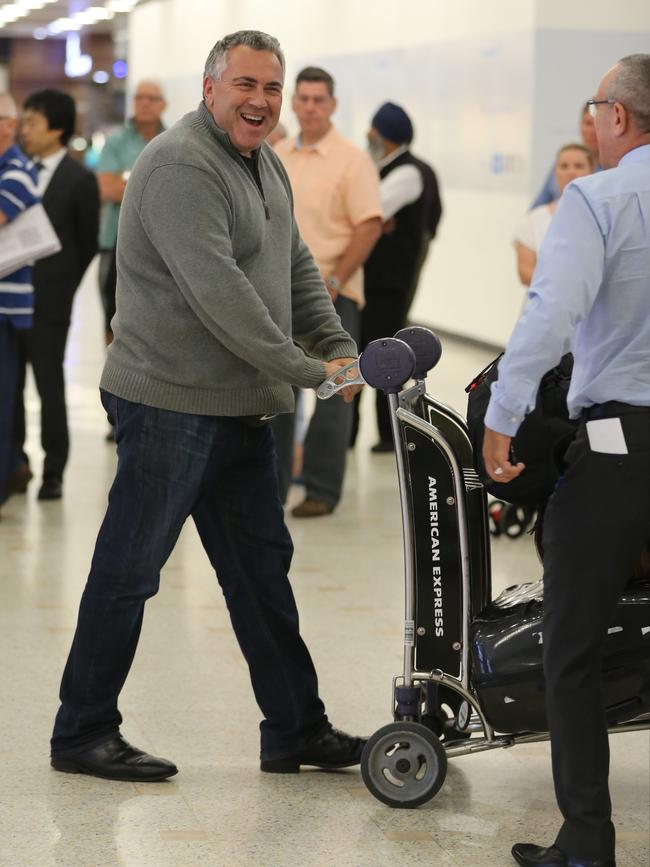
(70,197)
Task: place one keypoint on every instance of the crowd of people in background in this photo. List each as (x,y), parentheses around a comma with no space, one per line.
(367,215)
(237,300)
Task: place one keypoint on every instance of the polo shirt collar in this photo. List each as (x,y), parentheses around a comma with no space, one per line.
(130,124)
(323,146)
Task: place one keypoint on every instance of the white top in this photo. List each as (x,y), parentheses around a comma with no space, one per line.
(533,227)
(401,187)
(48,165)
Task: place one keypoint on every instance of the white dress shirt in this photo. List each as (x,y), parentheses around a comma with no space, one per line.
(401,187)
(47,166)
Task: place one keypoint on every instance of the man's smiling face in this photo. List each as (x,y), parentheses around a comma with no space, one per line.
(246,100)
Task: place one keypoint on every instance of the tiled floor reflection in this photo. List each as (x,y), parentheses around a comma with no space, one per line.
(188,696)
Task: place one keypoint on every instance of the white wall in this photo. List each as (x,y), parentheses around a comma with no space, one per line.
(475,102)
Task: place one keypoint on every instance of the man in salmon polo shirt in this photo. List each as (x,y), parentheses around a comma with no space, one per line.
(338,211)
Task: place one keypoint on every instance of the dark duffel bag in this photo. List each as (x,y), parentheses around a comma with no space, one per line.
(540,442)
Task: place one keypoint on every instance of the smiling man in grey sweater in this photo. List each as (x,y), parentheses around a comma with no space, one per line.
(220,309)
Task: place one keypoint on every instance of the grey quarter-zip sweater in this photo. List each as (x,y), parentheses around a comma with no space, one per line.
(220,307)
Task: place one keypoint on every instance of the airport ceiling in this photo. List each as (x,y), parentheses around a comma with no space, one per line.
(45,19)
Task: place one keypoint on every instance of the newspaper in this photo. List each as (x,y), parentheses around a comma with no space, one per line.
(30,236)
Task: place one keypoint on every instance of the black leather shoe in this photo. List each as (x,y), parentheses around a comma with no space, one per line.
(51,489)
(580,862)
(382,447)
(332,750)
(18,480)
(116,759)
(529,855)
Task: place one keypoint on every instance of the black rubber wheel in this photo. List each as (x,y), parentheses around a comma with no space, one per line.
(515,520)
(495,511)
(404,765)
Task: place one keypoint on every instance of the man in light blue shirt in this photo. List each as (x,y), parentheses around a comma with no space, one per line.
(590,292)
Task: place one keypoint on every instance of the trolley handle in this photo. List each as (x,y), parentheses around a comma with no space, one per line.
(426,347)
(344,376)
(387,364)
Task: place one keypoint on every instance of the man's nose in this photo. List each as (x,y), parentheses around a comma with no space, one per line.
(258,98)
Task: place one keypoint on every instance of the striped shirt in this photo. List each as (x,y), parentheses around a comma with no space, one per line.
(17,193)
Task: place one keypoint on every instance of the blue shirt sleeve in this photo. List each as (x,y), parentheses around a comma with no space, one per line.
(17,192)
(566,281)
(549,191)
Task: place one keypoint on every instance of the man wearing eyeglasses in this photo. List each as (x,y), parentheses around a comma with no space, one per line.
(118,155)
(590,290)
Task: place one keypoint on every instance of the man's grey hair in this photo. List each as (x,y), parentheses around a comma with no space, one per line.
(631,87)
(255,39)
(8,106)
(154,82)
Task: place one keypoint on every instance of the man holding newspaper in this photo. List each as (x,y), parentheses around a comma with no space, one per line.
(17,195)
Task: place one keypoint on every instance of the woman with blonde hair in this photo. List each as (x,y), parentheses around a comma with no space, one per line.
(572,161)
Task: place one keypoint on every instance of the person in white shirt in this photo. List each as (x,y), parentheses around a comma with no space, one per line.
(572,161)
(391,267)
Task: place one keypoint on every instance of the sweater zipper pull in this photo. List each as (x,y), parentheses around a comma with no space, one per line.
(267,211)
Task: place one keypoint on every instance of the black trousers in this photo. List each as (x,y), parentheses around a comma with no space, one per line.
(43,346)
(108,285)
(596,525)
(383,315)
(328,434)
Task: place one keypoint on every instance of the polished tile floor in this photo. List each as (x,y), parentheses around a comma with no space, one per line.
(188,696)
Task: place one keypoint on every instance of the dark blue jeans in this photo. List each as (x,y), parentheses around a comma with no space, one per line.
(220,471)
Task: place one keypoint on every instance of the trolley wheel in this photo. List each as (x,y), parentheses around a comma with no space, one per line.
(515,520)
(404,764)
(495,512)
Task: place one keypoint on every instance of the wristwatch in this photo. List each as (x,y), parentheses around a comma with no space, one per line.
(333,283)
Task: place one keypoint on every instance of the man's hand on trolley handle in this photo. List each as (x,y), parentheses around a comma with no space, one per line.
(350,391)
(496,456)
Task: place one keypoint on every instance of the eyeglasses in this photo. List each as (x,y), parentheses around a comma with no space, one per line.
(592,103)
(142,97)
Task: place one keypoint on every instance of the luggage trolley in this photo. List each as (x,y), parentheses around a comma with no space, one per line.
(472,677)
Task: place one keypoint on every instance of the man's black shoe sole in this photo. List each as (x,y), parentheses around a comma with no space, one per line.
(292,766)
(69,766)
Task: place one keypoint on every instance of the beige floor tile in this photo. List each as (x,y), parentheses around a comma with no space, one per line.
(188,697)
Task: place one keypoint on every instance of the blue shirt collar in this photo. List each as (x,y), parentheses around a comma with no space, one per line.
(636,155)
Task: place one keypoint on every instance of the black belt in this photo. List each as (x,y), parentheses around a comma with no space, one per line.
(612,409)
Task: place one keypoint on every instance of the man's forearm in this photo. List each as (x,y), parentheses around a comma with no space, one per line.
(363,239)
(111,187)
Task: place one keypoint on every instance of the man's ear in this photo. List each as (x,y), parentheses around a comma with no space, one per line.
(622,119)
(208,90)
